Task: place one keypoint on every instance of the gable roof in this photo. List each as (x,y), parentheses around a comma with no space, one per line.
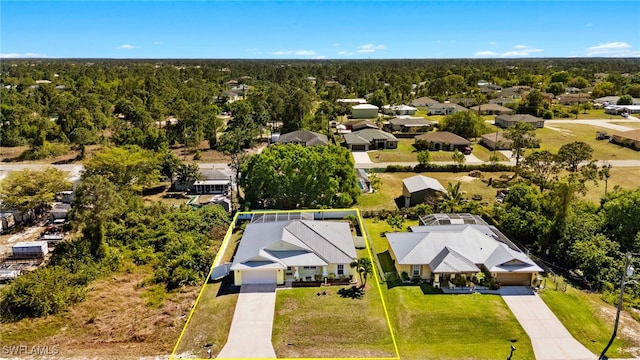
(279,244)
(423,100)
(491,107)
(374,134)
(365,106)
(455,248)
(421,182)
(306,137)
(518,118)
(213,174)
(447,106)
(630,134)
(411,121)
(354,139)
(444,137)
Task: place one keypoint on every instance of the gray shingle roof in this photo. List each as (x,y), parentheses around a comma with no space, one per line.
(411,121)
(304,136)
(374,134)
(518,118)
(443,136)
(421,182)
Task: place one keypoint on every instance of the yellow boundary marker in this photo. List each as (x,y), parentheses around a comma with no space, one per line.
(223,248)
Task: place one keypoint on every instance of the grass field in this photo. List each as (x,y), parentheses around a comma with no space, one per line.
(392,188)
(553,139)
(330,326)
(582,314)
(210,322)
(470,326)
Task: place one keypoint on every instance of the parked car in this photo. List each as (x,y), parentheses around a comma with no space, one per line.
(624,115)
(467,150)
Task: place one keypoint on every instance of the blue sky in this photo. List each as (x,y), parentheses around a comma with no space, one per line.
(323,29)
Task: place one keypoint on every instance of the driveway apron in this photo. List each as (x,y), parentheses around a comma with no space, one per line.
(250,334)
(549,338)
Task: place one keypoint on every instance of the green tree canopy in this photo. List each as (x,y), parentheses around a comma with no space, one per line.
(32,190)
(574,153)
(464,123)
(288,176)
(523,136)
(128,168)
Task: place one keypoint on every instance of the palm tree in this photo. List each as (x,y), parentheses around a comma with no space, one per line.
(364,267)
(452,198)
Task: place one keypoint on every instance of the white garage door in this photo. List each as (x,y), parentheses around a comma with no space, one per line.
(259,277)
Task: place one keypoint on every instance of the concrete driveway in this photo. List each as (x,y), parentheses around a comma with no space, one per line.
(550,339)
(250,334)
(361,157)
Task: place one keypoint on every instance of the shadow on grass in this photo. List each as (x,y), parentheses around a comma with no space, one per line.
(226,286)
(352,292)
(386,261)
(399,202)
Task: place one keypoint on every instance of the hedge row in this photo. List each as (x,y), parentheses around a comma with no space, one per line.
(491,167)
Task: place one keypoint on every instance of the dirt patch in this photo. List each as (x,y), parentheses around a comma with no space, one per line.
(113,322)
(467,179)
(628,328)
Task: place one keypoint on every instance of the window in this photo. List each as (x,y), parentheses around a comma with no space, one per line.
(416,270)
(309,267)
(340,269)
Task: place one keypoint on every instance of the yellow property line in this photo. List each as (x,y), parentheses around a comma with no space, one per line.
(223,248)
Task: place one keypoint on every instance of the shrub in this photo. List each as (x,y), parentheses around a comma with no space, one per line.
(404,276)
(47,150)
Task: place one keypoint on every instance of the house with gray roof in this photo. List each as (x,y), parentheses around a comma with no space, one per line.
(411,124)
(420,189)
(369,139)
(423,101)
(277,251)
(491,109)
(304,138)
(506,121)
(211,181)
(445,108)
(443,251)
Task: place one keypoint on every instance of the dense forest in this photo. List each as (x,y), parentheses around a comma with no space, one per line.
(141,108)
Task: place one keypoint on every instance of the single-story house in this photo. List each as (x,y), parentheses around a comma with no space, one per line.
(398,110)
(411,124)
(445,109)
(304,138)
(573,98)
(213,181)
(279,251)
(355,125)
(496,141)
(506,121)
(629,138)
(364,111)
(419,188)
(612,100)
(466,102)
(439,253)
(491,109)
(443,140)
(423,101)
(619,109)
(369,139)
(502,101)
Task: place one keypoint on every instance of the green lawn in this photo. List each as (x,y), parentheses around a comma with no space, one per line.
(581,314)
(470,326)
(330,326)
(552,140)
(404,153)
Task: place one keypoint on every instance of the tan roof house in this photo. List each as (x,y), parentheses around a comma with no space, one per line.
(491,109)
(442,140)
(423,101)
(629,138)
(496,141)
(411,124)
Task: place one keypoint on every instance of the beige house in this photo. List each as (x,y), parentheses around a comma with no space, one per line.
(496,141)
(364,111)
(506,121)
(304,249)
(491,109)
(443,140)
(459,245)
(629,138)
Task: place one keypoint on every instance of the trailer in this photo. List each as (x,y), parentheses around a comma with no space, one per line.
(30,249)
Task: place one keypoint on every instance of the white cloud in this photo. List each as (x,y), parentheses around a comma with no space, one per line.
(283,52)
(485,53)
(345,52)
(521,51)
(320,57)
(21,55)
(613,49)
(128,46)
(368,48)
(305,52)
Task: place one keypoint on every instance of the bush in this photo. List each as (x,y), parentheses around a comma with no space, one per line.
(47,150)
(404,276)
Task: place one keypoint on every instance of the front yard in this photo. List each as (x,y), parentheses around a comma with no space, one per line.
(308,325)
